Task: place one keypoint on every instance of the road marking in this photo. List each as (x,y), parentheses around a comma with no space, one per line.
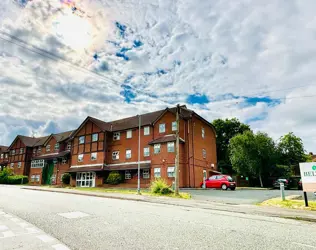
(60,247)
(45,238)
(23,224)
(7,234)
(305,245)
(74,215)
(32,230)
(3,227)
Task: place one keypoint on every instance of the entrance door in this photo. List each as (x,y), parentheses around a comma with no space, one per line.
(85,179)
(47,173)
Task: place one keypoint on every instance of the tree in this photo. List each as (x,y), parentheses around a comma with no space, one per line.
(225,130)
(291,150)
(252,154)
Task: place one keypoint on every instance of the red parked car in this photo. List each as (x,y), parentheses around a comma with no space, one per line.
(220,181)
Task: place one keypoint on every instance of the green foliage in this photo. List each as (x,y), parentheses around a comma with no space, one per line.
(114,178)
(225,130)
(160,186)
(17,179)
(66,179)
(252,154)
(4,174)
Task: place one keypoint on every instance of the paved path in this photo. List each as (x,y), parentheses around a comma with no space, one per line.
(83,222)
(16,233)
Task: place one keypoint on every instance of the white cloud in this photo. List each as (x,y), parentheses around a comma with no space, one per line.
(216,48)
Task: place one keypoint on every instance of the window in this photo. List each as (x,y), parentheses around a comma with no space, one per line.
(174,126)
(6,156)
(69,145)
(128,175)
(53,179)
(34,150)
(129,134)
(213,177)
(37,178)
(21,150)
(95,137)
(203,132)
(204,153)
(170,147)
(39,149)
(19,164)
(162,128)
(85,179)
(64,161)
(47,148)
(93,156)
(13,152)
(32,178)
(37,164)
(116,155)
(171,172)
(157,148)
(12,165)
(146,152)
(81,139)
(116,136)
(128,153)
(1,156)
(146,130)
(57,146)
(146,174)
(80,158)
(157,172)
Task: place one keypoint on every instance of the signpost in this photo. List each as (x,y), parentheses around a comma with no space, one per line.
(308,175)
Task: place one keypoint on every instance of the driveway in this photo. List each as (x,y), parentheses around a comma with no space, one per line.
(242,196)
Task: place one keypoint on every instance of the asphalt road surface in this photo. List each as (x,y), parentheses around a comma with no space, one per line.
(82,222)
(242,196)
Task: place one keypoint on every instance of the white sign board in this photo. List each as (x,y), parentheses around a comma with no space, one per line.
(308,175)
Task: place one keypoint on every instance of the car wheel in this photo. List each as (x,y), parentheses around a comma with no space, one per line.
(224,186)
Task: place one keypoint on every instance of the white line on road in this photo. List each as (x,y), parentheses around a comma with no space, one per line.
(32,230)
(74,215)
(45,238)
(305,245)
(60,247)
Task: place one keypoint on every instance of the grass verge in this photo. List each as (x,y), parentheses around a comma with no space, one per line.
(292,204)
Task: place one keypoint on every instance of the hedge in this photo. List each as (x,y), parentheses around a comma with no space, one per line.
(66,179)
(114,178)
(17,179)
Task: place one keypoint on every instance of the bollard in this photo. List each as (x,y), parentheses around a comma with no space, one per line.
(282,191)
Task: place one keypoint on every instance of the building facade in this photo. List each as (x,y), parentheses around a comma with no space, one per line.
(4,157)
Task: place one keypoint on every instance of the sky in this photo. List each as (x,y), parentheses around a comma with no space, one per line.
(110,59)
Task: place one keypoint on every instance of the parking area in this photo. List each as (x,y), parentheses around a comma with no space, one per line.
(242,196)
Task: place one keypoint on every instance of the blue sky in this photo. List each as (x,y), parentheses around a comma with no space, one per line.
(221,58)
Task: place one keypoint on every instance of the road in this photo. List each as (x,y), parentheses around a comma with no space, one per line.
(82,222)
(242,196)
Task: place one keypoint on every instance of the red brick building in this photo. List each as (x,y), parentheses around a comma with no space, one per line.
(100,147)
(4,157)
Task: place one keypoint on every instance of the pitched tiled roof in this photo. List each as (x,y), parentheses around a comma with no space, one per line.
(63,136)
(3,148)
(40,141)
(166,138)
(29,141)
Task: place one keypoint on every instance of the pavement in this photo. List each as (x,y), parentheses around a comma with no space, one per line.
(244,196)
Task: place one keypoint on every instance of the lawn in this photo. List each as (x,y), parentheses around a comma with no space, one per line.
(293,204)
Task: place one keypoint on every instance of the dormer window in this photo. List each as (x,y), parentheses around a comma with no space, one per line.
(57,146)
(48,148)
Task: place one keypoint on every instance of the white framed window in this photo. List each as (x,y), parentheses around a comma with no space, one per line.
(64,161)
(146,130)
(204,153)
(80,158)
(68,145)
(37,164)
(128,175)
(6,156)
(157,173)
(170,172)
(47,148)
(174,126)
(37,178)
(39,149)
(162,128)
(57,146)
(129,134)
(146,174)
(21,150)
(13,152)
(85,179)
(115,155)
(19,164)
(81,139)
(203,133)
(12,165)
(93,156)
(1,156)
(95,137)
(170,146)
(128,153)
(32,178)
(146,151)
(34,150)
(116,136)
(156,148)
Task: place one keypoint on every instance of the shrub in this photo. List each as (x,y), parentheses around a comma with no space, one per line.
(114,178)
(160,186)
(17,179)
(66,179)
(4,174)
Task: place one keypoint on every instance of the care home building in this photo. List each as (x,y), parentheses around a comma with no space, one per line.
(99,147)
(95,149)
